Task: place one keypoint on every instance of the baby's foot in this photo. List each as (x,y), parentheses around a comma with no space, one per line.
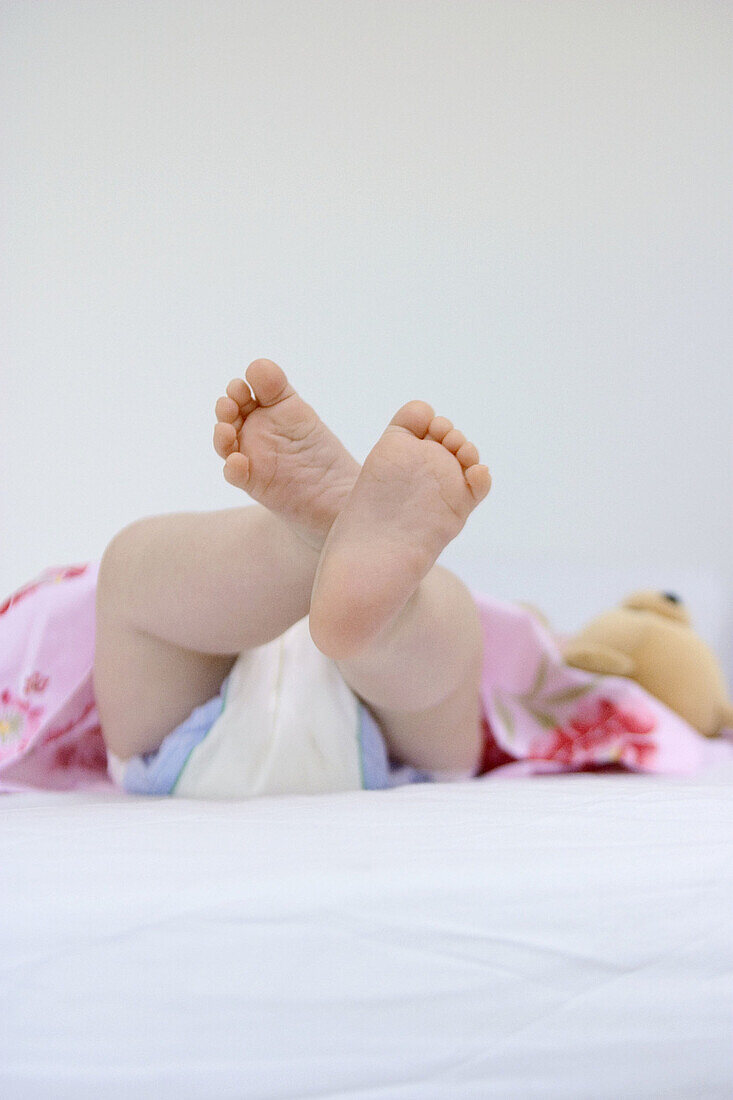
(415,492)
(277,449)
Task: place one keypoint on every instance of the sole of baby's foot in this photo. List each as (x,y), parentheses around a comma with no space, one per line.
(415,492)
(278,451)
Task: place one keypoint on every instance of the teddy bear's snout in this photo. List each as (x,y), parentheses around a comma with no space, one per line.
(672,597)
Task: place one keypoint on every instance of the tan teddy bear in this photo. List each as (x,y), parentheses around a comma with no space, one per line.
(649,638)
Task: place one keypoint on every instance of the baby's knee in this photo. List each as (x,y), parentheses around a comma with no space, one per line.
(119,562)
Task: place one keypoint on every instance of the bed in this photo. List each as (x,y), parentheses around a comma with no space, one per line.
(562,936)
(565,936)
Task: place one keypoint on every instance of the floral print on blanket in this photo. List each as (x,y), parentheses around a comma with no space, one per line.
(600,732)
(541,701)
(578,725)
(19,720)
(54,575)
(548,716)
(49,726)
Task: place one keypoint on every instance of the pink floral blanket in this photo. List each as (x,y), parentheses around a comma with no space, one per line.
(541,716)
(545,716)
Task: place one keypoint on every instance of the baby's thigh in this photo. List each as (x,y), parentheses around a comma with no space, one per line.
(145,687)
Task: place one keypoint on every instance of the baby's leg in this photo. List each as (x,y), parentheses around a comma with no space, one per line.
(405,632)
(179,596)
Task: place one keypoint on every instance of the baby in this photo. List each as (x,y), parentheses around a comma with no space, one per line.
(339,560)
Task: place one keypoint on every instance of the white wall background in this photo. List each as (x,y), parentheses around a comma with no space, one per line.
(518,211)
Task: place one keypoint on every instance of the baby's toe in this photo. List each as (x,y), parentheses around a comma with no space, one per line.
(467,454)
(240,392)
(268,381)
(439,428)
(479,481)
(453,439)
(236,470)
(415,416)
(227,410)
(225,439)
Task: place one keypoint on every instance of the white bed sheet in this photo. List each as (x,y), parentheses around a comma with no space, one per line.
(549,937)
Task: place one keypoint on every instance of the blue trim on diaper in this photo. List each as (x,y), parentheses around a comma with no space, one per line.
(158,772)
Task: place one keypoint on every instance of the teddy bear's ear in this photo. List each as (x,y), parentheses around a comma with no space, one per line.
(593,657)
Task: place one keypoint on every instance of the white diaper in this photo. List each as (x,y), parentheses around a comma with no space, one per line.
(289,725)
(284,722)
